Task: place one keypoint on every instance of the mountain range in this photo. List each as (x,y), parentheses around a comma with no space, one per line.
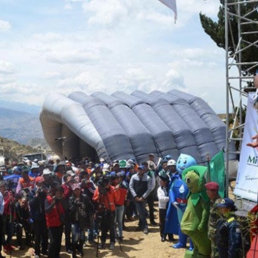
(20,122)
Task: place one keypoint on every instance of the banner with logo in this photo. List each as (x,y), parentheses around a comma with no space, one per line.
(247,176)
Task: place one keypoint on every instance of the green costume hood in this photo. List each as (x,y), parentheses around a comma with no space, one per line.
(196,187)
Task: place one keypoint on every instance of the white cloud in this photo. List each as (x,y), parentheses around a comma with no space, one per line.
(173,79)
(72,56)
(4,26)
(6,79)
(106,12)
(159,18)
(52,75)
(47,37)
(209,7)
(6,67)
(68,6)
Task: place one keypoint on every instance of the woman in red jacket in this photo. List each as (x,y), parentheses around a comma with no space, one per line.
(54,219)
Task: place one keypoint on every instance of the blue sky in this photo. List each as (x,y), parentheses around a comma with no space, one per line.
(107,45)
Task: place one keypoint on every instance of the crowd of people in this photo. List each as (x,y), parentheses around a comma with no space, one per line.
(88,202)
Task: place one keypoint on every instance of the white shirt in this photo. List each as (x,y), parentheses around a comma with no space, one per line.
(163,197)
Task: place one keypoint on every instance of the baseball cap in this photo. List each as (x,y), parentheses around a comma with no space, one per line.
(171,162)
(227,203)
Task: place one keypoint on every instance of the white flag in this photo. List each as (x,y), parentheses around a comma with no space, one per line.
(170,4)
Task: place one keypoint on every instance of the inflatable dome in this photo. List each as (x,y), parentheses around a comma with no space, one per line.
(123,126)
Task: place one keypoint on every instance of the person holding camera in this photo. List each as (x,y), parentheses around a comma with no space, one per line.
(55,220)
(106,197)
(37,210)
(81,213)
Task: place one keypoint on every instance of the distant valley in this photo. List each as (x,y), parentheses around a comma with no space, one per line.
(20,126)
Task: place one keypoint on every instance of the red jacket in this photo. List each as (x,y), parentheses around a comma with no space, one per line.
(109,200)
(122,192)
(67,191)
(53,217)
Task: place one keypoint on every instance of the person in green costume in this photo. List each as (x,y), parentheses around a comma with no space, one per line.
(195,219)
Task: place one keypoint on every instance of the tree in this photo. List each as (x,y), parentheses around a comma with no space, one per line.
(216,30)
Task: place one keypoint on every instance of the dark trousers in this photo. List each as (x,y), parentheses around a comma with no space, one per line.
(162,218)
(130,209)
(41,236)
(55,236)
(108,224)
(8,230)
(67,233)
(27,228)
(150,201)
(1,232)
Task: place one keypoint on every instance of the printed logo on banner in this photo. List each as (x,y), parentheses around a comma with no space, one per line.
(252,160)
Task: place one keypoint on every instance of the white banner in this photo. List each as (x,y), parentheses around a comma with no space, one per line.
(170,4)
(247,176)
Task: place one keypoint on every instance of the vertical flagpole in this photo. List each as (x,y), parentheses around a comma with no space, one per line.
(209,169)
(227,96)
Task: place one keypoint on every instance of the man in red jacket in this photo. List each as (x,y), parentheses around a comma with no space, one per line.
(55,219)
(106,198)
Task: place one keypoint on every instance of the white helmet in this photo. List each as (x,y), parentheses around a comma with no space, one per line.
(171,162)
(46,171)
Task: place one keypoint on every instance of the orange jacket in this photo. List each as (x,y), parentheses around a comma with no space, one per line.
(108,200)
(27,184)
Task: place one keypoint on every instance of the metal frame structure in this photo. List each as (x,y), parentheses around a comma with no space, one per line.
(236,81)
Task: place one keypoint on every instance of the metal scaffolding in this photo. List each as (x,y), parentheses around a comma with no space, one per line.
(238,82)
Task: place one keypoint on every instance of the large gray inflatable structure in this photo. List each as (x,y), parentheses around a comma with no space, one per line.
(123,126)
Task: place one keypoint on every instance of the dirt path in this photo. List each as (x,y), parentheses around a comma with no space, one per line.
(135,245)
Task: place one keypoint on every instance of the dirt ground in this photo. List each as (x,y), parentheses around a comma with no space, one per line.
(135,245)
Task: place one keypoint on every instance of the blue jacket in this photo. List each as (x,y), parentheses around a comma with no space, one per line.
(228,238)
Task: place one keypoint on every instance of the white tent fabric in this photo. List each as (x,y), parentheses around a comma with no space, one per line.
(123,126)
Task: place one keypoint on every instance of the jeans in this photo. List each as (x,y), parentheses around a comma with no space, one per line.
(93,231)
(119,214)
(141,209)
(78,234)
(55,235)
(78,237)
